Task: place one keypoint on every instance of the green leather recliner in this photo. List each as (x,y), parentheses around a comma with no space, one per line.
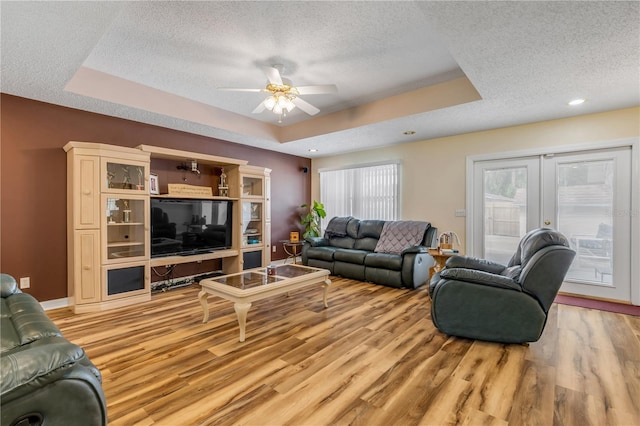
(484,300)
(44,378)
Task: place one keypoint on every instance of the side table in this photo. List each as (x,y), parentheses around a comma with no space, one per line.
(291,249)
(440,259)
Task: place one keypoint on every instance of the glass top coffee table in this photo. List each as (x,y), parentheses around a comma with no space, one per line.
(255,284)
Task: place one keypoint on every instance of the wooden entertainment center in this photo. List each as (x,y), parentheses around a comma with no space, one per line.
(109,217)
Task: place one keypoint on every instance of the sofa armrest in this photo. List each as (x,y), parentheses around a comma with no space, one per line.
(41,364)
(475,264)
(479,277)
(317,241)
(415,249)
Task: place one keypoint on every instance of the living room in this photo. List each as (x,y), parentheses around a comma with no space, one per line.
(434,178)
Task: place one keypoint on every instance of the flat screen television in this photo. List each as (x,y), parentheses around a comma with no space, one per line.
(183,227)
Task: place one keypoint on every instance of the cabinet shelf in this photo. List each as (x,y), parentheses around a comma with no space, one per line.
(200,197)
(125,244)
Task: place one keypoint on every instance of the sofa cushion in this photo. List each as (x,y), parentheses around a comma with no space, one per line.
(384,260)
(351,256)
(322,264)
(383,276)
(344,242)
(368,234)
(9,339)
(321,253)
(348,269)
(8,285)
(370,228)
(337,227)
(4,308)
(352,227)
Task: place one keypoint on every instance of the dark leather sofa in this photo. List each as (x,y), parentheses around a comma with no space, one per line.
(45,379)
(352,253)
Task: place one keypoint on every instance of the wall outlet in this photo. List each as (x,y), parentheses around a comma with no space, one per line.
(274,249)
(25,282)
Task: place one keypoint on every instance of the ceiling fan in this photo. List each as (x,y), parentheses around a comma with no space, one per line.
(284,96)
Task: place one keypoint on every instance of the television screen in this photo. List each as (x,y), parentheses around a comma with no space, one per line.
(189,226)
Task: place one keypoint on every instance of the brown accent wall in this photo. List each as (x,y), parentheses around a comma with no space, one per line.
(33,239)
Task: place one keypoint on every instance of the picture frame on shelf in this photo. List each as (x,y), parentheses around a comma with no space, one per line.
(154,187)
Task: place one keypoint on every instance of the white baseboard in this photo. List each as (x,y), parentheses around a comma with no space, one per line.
(64,302)
(55,304)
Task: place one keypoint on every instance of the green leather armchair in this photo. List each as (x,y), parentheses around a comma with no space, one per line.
(44,378)
(484,300)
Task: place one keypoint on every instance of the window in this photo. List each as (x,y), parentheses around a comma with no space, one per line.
(365,192)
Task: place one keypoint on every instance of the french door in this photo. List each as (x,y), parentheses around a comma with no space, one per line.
(584,195)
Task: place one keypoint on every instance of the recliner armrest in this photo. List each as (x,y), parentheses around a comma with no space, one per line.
(37,364)
(475,264)
(317,241)
(480,277)
(414,249)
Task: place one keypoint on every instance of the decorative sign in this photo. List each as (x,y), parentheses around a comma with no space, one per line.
(191,190)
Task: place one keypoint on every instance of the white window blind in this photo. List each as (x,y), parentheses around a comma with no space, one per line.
(367,192)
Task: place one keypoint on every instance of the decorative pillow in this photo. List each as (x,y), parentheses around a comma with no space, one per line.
(396,236)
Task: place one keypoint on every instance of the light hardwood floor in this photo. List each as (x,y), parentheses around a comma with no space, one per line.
(372,358)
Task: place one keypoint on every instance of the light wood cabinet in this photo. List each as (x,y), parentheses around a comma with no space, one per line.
(255,215)
(109,219)
(108,226)
(248,187)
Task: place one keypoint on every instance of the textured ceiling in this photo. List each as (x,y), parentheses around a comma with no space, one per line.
(437,68)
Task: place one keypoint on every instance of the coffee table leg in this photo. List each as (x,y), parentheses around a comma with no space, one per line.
(205,309)
(241,312)
(325,286)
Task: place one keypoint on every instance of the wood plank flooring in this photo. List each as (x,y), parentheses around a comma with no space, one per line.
(372,358)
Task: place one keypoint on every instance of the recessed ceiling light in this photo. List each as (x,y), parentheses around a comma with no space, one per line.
(313,150)
(410,132)
(576,102)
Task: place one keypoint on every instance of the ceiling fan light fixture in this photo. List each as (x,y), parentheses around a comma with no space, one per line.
(270,102)
(283,102)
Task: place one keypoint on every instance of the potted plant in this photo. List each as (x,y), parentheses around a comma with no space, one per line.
(311,220)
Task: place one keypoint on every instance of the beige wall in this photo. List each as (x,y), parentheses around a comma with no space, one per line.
(433,171)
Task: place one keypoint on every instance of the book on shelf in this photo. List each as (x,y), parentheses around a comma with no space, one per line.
(449,251)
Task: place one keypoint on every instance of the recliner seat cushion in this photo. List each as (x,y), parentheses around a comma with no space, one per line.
(321,253)
(367,243)
(351,256)
(384,261)
(342,242)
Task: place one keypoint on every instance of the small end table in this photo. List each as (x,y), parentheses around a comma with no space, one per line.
(440,259)
(291,249)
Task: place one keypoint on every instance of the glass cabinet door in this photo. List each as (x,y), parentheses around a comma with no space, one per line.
(252,186)
(123,176)
(251,223)
(126,230)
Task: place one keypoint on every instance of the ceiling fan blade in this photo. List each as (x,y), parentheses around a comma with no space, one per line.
(318,90)
(233,89)
(273,75)
(259,108)
(305,106)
